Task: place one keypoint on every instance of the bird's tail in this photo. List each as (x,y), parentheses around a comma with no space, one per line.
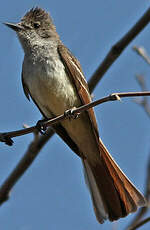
(113,195)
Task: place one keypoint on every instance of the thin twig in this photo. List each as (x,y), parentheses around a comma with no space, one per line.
(32,152)
(143,101)
(143,210)
(117,49)
(140,79)
(140,224)
(4,137)
(145,105)
(142,52)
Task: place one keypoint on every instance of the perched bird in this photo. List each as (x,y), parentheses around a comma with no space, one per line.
(53,78)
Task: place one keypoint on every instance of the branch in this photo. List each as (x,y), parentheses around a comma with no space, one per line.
(137,219)
(144,102)
(4,137)
(145,105)
(140,224)
(142,52)
(32,152)
(118,48)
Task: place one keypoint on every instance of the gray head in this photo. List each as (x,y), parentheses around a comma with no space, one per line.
(35,27)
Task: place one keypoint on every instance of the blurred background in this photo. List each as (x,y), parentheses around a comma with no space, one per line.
(52,194)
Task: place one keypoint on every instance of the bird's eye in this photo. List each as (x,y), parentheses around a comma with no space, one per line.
(36,25)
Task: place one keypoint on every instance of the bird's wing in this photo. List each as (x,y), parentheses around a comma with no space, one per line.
(75,73)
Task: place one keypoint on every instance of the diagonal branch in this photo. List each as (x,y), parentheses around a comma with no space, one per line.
(118,48)
(136,222)
(140,224)
(32,152)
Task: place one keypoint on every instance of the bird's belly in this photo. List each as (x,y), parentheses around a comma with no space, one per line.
(53,90)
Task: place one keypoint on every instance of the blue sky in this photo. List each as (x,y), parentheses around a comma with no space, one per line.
(52,193)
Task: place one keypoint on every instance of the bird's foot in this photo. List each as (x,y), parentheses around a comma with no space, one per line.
(5,138)
(41,126)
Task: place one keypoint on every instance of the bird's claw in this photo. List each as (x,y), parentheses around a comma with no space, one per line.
(41,126)
(6,139)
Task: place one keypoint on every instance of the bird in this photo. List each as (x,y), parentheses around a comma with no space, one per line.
(53,78)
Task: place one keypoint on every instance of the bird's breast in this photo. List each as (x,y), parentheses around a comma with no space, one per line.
(51,87)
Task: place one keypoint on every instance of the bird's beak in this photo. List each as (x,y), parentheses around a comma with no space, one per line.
(13,26)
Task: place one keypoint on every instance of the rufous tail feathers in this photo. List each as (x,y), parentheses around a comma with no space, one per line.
(113,195)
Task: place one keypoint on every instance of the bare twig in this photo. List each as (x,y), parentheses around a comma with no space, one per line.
(140,224)
(117,49)
(147,190)
(4,137)
(32,152)
(143,210)
(143,101)
(145,105)
(140,79)
(142,52)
